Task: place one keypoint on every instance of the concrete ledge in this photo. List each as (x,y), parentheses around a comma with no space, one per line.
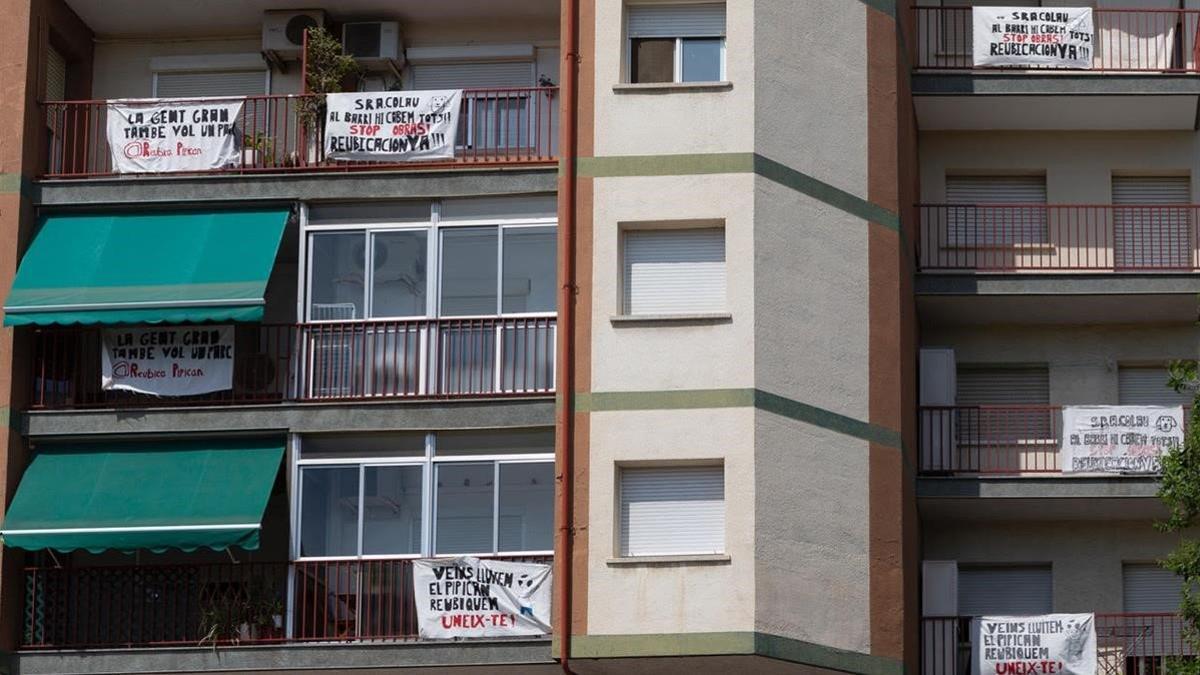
(668,319)
(1000,83)
(525,656)
(1064,283)
(1031,487)
(669,560)
(297,417)
(671,87)
(351,185)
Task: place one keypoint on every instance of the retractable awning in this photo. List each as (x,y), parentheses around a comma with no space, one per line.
(141,495)
(147,267)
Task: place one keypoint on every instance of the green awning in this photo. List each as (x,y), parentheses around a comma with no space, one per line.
(140,495)
(147,267)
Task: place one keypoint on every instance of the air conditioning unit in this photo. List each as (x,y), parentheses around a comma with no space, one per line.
(283,30)
(374,43)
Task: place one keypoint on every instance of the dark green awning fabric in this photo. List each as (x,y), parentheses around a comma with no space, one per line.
(147,267)
(140,495)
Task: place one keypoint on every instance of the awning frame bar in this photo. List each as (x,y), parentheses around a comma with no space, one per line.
(164,304)
(139,528)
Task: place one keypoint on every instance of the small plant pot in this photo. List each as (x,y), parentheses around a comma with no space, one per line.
(247,632)
(277,619)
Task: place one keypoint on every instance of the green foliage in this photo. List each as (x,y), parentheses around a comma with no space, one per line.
(327,67)
(1180,492)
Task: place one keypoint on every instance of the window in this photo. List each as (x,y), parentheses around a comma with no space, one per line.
(496,115)
(1004,590)
(1147,587)
(672,511)
(674,271)
(1137,385)
(1152,222)
(995,211)
(1004,403)
(676,43)
(476,492)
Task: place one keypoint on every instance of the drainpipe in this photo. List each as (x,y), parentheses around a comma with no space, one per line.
(565,426)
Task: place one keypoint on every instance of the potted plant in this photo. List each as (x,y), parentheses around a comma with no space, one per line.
(328,69)
(258,150)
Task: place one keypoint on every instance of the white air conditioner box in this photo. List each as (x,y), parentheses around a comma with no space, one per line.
(373,43)
(283,30)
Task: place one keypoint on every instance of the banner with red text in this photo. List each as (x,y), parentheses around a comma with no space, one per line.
(1040,37)
(1119,438)
(165,135)
(1047,644)
(469,597)
(167,361)
(392,126)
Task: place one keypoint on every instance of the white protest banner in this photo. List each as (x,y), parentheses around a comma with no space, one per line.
(400,126)
(1049,644)
(168,361)
(164,135)
(1047,37)
(1119,439)
(469,597)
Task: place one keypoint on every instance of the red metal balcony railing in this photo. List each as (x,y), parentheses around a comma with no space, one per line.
(328,361)
(1020,237)
(1125,40)
(991,439)
(1126,644)
(221,604)
(497,126)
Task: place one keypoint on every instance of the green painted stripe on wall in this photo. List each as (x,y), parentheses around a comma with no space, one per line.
(737,162)
(689,399)
(11,182)
(730,643)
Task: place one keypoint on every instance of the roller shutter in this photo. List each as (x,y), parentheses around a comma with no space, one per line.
(675,21)
(973,221)
(1015,591)
(672,511)
(1147,386)
(1146,235)
(674,271)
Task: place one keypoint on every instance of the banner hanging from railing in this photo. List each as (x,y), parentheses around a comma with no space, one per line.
(468,597)
(167,135)
(1047,644)
(1119,439)
(1043,37)
(401,126)
(167,361)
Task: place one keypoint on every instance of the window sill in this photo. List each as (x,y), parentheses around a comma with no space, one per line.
(670,87)
(678,319)
(703,559)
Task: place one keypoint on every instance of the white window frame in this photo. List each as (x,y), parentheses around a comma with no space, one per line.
(677,76)
(429,462)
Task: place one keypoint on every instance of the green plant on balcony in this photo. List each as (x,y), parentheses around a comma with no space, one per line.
(262,145)
(327,71)
(1180,492)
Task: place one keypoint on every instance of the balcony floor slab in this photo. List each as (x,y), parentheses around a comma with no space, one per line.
(480,413)
(1043,498)
(286,187)
(495,656)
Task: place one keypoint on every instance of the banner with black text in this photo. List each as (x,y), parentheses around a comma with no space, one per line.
(1119,438)
(1041,37)
(400,126)
(1047,644)
(167,361)
(166,135)
(469,597)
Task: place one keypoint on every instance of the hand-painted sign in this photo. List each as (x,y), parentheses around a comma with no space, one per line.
(1049,644)
(469,597)
(168,361)
(392,126)
(1042,37)
(165,135)
(1119,439)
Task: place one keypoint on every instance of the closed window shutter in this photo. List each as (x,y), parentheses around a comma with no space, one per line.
(1150,588)
(1013,591)
(198,84)
(674,271)
(1152,237)
(673,21)
(1003,385)
(972,223)
(1027,388)
(476,75)
(1147,386)
(672,511)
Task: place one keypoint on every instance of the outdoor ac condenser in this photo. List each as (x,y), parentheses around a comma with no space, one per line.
(374,44)
(283,30)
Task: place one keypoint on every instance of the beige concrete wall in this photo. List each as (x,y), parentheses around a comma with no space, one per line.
(675,122)
(1085,557)
(122,67)
(1083,360)
(677,597)
(686,356)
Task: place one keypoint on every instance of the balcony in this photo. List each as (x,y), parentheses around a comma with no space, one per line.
(497,127)
(1126,644)
(998,440)
(1010,238)
(221,604)
(326,362)
(1125,40)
